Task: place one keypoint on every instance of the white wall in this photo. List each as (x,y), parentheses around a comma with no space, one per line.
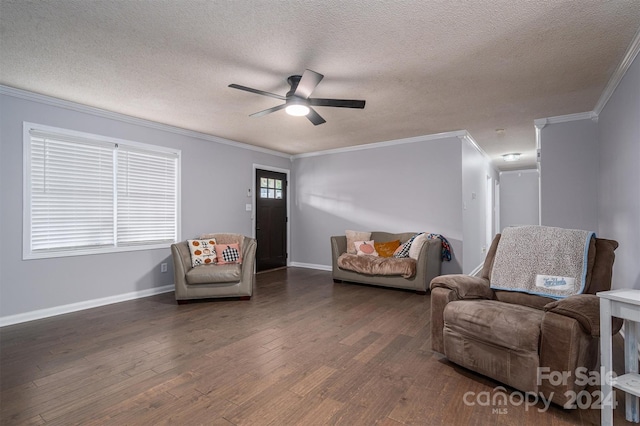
(475,169)
(619,182)
(519,198)
(215,179)
(569,175)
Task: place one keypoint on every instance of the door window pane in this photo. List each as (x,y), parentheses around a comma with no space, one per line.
(270,188)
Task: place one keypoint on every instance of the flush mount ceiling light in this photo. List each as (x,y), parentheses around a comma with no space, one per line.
(515,156)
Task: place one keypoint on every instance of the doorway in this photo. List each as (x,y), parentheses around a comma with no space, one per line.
(271,219)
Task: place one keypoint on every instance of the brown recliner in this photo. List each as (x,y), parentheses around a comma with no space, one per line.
(522,339)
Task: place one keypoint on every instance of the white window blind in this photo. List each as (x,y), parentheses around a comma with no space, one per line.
(71,194)
(146,197)
(87,195)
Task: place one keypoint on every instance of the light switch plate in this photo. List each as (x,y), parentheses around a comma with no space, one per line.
(248,207)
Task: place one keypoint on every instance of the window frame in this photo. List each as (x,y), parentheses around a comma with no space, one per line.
(27,253)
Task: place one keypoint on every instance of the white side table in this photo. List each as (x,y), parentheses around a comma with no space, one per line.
(623,304)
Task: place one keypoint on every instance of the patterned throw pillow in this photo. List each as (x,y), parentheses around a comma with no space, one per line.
(228,253)
(365,248)
(353,236)
(403,250)
(203,252)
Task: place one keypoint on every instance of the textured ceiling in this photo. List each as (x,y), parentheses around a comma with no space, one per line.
(424,67)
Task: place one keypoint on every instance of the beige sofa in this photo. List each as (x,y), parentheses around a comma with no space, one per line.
(427,265)
(209,281)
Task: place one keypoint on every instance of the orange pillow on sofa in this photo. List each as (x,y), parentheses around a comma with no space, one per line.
(386,249)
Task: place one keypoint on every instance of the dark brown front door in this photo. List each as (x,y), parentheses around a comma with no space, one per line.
(271,220)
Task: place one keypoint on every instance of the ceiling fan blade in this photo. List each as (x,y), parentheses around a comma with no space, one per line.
(341,103)
(259,92)
(268,111)
(315,118)
(308,82)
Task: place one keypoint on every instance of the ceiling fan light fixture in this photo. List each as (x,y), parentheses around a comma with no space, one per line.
(515,156)
(297,110)
(297,101)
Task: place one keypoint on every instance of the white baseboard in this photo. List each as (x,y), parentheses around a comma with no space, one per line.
(310,266)
(74,307)
(477,270)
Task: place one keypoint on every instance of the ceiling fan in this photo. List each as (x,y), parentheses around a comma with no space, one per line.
(297,100)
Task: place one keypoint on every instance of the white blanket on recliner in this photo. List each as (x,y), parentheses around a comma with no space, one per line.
(541,260)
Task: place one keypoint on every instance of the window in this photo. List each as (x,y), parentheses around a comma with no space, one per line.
(87,194)
(270,188)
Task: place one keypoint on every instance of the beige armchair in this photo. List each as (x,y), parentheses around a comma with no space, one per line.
(214,281)
(518,338)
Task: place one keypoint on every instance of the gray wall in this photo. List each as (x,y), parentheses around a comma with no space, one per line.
(619,183)
(211,202)
(519,198)
(400,188)
(569,175)
(395,187)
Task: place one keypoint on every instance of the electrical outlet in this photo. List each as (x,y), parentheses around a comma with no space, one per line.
(163,267)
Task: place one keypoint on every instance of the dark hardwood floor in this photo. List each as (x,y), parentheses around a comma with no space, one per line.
(302,351)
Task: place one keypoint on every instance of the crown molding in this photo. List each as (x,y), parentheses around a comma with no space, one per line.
(467,137)
(74,106)
(415,139)
(540,123)
(618,74)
